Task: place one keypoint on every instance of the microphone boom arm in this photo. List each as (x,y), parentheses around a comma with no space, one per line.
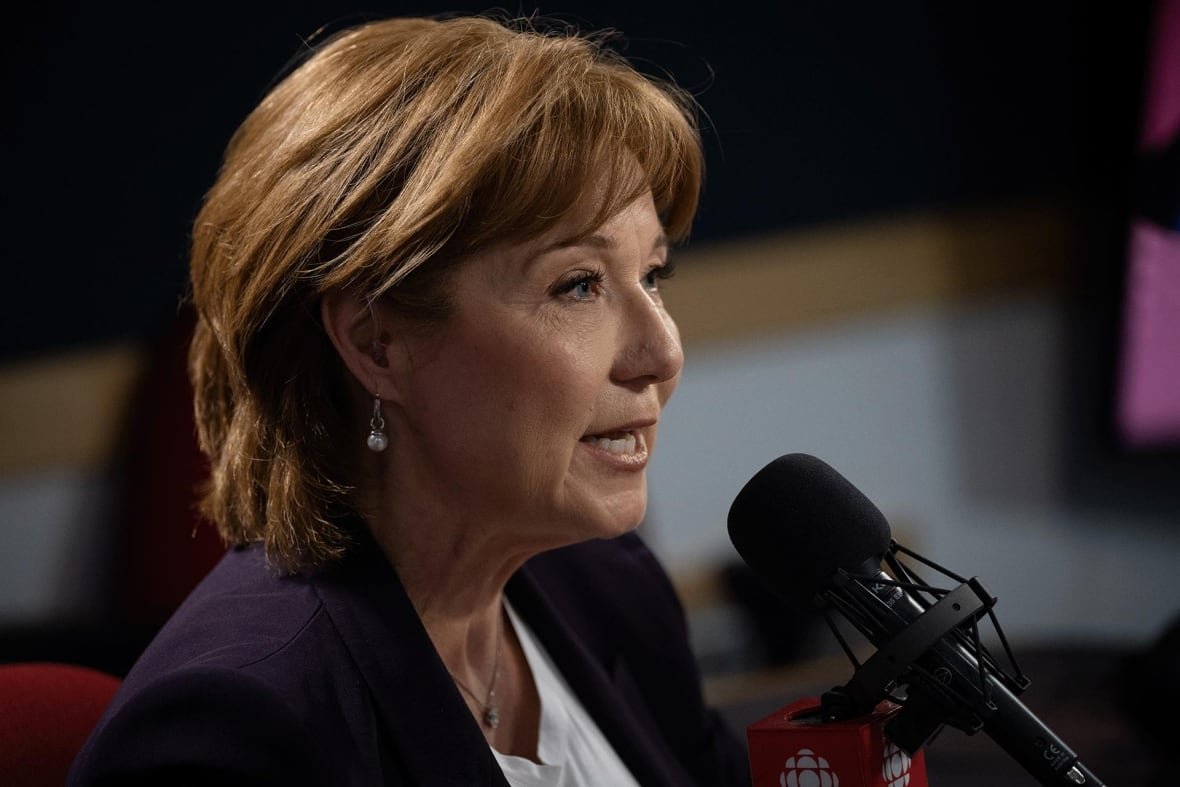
(964,686)
(872,680)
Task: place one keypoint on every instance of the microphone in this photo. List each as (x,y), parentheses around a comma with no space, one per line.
(809,534)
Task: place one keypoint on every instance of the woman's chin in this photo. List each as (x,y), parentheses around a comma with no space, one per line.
(619,516)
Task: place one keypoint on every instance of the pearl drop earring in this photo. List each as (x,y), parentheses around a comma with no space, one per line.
(378,441)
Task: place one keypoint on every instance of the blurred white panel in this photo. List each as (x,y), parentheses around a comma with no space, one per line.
(54,531)
(949,420)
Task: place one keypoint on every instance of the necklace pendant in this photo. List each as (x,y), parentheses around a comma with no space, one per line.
(491,717)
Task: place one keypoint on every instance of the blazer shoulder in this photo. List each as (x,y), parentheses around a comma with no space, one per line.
(201,725)
(241,613)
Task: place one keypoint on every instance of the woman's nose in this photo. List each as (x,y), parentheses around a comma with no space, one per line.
(650,350)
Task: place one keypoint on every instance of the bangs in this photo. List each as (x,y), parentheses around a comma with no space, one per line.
(605,134)
(494,137)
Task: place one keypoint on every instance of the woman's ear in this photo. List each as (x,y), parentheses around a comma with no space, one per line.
(356,330)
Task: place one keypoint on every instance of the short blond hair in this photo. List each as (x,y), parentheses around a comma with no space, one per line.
(396,149)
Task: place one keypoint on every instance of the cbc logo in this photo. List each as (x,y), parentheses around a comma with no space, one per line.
(895,766)
(806,769)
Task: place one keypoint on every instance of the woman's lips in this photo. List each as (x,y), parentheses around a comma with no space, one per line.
(614,442)
(625,448)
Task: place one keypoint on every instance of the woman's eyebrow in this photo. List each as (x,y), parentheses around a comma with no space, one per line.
(596,240)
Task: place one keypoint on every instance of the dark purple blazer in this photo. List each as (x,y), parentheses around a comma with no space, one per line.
(330,679)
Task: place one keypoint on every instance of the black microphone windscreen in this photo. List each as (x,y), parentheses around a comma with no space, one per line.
(798,521)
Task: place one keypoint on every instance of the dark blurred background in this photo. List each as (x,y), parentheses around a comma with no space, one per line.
(814,112)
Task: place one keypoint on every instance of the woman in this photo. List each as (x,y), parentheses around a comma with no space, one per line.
(429,367)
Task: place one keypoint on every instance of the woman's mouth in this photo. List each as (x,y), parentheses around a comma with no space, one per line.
(619,443)
(623,447)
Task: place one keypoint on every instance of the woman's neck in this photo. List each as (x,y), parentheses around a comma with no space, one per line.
(454,566)
(458,594)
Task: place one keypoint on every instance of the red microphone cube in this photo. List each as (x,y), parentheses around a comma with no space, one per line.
(793,747)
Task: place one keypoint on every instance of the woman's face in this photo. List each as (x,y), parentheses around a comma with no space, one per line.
(534,409)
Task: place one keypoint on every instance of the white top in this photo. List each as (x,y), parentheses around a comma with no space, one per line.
(572,750)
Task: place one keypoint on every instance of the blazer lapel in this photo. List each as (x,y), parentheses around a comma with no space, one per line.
(437,740)
(601,683)
(416,698)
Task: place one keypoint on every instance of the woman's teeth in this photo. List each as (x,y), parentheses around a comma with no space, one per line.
(622,445)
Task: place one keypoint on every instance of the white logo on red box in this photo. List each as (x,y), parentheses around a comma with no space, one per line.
(807,769)
(895,766)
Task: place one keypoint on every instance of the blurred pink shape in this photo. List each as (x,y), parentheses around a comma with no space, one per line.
(1149,390)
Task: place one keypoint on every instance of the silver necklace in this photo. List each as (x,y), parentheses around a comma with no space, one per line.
(491,714)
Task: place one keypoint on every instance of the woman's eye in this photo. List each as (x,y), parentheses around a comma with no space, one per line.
(653,277)
(582,287)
